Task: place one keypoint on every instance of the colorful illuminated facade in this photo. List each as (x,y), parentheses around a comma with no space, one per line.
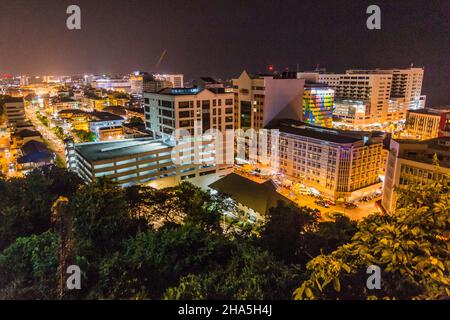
(318,104)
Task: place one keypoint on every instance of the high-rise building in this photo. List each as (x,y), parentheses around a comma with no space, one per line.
(339,164)
(360,98)
(366,97)
(137,80)
(177,80)
(318,101)
(14,109)
(260,98)
(405,92)
(171,109)
(427,123)
(415,162)
(195,111)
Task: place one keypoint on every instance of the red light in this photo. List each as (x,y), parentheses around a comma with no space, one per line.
(271,68)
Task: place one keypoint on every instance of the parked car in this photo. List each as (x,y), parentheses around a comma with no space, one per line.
(322,203)
(350,205)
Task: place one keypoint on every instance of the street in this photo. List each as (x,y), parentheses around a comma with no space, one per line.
(50,138)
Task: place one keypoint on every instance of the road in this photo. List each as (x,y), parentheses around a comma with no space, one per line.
(51,139)
(363,210)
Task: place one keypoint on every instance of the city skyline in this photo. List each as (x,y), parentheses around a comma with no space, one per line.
(201,39)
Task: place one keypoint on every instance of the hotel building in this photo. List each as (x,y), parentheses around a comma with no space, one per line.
(427,123)
(415,162)
(366,97)
(360,98)
(340,164)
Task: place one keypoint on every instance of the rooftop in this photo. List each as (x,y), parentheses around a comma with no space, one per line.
(425,150)
(117,110)
(97,151)
(98,116)
(9,99)
(430,111)
(28,133)
(244,190)
(306,130)
(35,151)
(188,91)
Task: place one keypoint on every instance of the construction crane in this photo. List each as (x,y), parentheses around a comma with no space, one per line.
(163,54)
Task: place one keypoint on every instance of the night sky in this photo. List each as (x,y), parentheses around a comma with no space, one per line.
(220,38)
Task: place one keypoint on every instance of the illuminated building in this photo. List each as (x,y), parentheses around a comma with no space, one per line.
(339,164)
(172,109)
(427,123)
(412,162)
(367,97)
(110,133)
(260,98)
(318,104)
(152,85)
(177,80)
(78,119)
(132,161)
(137,80)
(187,108)
(14,109)
(115,84)
(361,98)
(61,103)
(101,120)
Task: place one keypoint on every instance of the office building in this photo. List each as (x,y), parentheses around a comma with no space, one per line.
(260,98)
(14,109)
(339,164)
(172,109)
(177,80)
(137,80)
(194,110)
(427,123)
(412,162)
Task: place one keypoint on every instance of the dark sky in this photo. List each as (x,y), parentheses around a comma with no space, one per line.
(219,38)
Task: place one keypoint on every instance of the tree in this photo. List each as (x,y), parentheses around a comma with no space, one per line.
(26,203)
(156,259)
(135,120)
(283,229)
(410,246)
(28,267)
(84,136)
(250,273)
